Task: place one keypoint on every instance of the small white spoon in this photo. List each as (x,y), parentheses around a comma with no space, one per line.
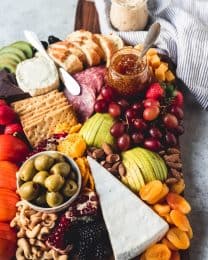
(70,83)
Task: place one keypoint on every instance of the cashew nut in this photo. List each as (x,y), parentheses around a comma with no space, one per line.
(36,253)
(34,232)
(49,219)
(21,233)
(43,233)
(48,254)
(34,221)
(24,245)
(38,243)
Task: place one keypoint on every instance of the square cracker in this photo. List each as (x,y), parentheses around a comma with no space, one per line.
(43,128)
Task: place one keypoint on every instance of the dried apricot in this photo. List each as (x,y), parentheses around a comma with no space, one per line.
(178,187)
(151,190)
(180,220)
(166,242)
(160,196)
(168,218)
(161,209)
(158,252)
(178,238)
(175,255)
(176,201)
(190,232)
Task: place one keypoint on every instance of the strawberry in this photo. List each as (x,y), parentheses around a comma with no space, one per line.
(2,102)
(155,91)
(7,115)
(178,99)
(13,128)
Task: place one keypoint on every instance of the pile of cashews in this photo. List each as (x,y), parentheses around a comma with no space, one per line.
(33,228)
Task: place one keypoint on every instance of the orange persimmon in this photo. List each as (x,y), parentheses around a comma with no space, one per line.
(8,175)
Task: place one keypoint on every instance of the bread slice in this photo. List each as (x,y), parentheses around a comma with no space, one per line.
(110,44)
(90,51)
(67,56)
(37,76)
(80,35)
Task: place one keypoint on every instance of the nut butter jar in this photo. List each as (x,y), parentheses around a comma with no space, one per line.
(128,74)
(129,15)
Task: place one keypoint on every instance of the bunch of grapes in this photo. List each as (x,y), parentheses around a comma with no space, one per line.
(150,123)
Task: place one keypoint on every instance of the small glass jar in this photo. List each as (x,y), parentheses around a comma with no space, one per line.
(129,15)
(128,74)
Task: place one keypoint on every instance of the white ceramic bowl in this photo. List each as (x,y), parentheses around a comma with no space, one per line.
(66,203)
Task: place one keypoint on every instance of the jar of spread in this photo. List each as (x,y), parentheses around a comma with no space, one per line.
(129,15)
(128,74)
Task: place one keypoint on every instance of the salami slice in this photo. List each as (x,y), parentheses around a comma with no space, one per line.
(91,81)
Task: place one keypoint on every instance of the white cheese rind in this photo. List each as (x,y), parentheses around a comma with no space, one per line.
(37,76)
(131,224)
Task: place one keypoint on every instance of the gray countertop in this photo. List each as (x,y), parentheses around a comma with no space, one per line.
(47,17)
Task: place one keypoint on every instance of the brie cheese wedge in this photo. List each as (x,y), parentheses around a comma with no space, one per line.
(131,224)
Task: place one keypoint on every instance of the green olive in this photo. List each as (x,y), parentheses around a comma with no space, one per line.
(41,200)
(43,162)
(54,182)
(73,176)
(27,171)
(58,157)
(40,177)
(54,199)
(62,168)
(29,190)
(70,188)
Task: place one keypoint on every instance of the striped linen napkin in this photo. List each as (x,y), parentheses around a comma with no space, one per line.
(184,38)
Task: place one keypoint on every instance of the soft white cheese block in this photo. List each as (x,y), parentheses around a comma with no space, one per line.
(131,224)
(37,76)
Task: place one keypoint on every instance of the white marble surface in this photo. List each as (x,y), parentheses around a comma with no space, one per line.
(57,17)
(42,16)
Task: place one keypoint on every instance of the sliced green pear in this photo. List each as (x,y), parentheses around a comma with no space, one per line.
(153,162)
(10,66)
(133,175)
(25,47)
(103,134)
(18,52)
(164,170)
(94,128)
(12,56)
(148,172)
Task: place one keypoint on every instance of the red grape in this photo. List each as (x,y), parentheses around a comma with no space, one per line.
(123,142)
(170,121)
(130,113)
(107,93)
(151,113)
(114,109)
(117,129)
(152,144)
(155,133)
(140,124)
(151,102)
(179,130)
(137,107)
(178,112)
(123,103)
(100,106)
(170,139)
(137,137)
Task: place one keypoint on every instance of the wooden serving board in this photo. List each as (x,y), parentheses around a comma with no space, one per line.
(87,18)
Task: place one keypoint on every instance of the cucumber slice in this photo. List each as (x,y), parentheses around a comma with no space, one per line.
(25,47)
(14,50)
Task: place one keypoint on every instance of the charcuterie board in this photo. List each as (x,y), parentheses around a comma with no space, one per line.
(96,175)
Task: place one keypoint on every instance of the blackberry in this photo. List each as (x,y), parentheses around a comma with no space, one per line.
(101,251)
(52,39)
(45,44)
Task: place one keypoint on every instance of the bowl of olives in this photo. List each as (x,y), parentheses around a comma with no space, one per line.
(49,181)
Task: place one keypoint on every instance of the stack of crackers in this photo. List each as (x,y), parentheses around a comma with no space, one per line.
(40,115)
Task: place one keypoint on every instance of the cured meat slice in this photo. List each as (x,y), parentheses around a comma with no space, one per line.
(91,81)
